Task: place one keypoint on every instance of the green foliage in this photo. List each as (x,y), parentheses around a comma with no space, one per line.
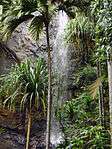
(102,11)
(2,130)
(84,76)
(19,11)
(25,86)
(80,33)
(28,6)
(79,118)
(93,137)
(71,6)
(83,104)
(77,28)
(36,27)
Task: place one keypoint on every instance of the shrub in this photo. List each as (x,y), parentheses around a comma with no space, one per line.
(84,76)
(25,85)
(79,120)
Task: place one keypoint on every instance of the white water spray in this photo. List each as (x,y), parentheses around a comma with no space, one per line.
(60,67)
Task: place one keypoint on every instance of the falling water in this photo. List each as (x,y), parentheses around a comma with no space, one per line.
(60,69)
(60,60)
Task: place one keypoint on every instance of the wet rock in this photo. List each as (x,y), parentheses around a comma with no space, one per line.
(42,146)
(12,139)
(9,140)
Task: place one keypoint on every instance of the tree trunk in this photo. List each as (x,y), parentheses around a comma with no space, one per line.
(49,83)
(28,130)
(23,120)
(101,98)
(109,63)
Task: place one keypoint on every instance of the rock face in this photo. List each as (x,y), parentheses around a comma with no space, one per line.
(24,45)
(5,63)
(7,58)
(10,140)
(13,137)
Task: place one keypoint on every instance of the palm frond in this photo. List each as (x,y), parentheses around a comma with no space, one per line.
(52,10)
(28,6)
(42,2)
(10,24)
(24,101)
(6,4)
(36,27)
(94,88)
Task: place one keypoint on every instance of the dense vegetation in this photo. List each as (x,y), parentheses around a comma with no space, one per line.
(86,119)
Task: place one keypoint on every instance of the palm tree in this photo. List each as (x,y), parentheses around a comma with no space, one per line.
(101,98)
(40,13)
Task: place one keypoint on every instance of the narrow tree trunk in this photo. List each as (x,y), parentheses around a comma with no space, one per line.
(109,63)
(28,130)
(49,95)
(101,98)
(49,83)
(23,119)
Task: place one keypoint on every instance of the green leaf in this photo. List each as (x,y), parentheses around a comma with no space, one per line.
(12,23)
(36,27)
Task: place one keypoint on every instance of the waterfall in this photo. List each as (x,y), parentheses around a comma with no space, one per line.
(60,59)
(60,69)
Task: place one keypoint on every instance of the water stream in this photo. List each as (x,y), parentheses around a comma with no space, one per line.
(60,69)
